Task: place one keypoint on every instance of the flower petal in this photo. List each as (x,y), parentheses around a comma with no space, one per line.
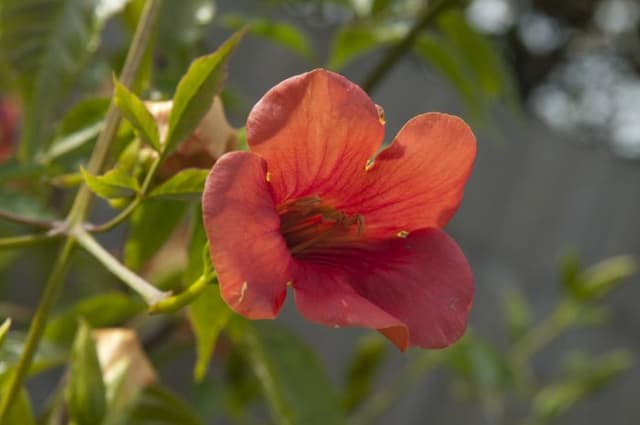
(423,280)
(316,131)
(243,228)
(323,295)
(418,181)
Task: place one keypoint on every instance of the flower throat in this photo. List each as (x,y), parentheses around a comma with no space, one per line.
(308,225)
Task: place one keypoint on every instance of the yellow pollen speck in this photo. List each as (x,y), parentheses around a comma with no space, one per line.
(268,176)
(290,284)
(243,291)
(369,164)
(381,115)
(402,234)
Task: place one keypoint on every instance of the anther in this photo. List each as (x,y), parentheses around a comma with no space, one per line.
(268,176)
(402,234)
(381,115)
(369,164)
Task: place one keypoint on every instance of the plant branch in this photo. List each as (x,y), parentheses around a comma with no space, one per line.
(78,212)
(9,216)
(14,242)
(432,9)
(150,293)
(52,288)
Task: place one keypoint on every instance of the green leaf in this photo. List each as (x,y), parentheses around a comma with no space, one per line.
(293,380)
(85,392)
(600,278)
(208,315)
(159,406)
(24,203)
(138,115)
(196,91)
(81,124)
(186,185)
(281,33)
(99,311)
(437,51)
(364,364)
(21,412)
(518,314)
(354,40)
(4,330)
(114,184)
(46,43)
(588,377)
(47,356)
(151,225)
(482,60)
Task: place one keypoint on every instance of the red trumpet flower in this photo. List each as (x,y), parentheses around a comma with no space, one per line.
(357,235)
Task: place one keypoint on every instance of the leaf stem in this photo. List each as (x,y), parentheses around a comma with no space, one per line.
(176,302)
(149,292)
(396,52)
(78,212)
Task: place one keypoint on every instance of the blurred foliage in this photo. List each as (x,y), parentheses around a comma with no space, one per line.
(57,57)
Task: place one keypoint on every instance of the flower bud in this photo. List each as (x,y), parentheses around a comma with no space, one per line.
(9,116)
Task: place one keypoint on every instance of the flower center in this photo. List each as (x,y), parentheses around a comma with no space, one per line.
(309,225)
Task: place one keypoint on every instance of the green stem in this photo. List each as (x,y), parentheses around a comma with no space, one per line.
(175,303)
(14,242)
(52,288)
(46,224)
(112,120)
(78,212)
(150,293)
(396,52)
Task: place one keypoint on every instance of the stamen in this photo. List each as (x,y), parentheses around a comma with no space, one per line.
(369,164)
(402,234)
(268,177)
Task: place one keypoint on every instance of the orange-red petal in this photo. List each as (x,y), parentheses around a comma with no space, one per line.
(324,295)
(423,281)
(243,228)
(418,181)
(316,131)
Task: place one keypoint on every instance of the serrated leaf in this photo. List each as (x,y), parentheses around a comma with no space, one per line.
(293,380)
(85,392)
(159,406)
(354,40)
(280,33)
(187,184)
(133,109)
(208,315)
(151,225)
(103,310)
(46,43)
(114,184)
(196,90)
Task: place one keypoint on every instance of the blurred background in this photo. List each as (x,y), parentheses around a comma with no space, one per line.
(552,90)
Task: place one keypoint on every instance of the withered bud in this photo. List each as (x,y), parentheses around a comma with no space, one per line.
(120,352)
(212,137)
